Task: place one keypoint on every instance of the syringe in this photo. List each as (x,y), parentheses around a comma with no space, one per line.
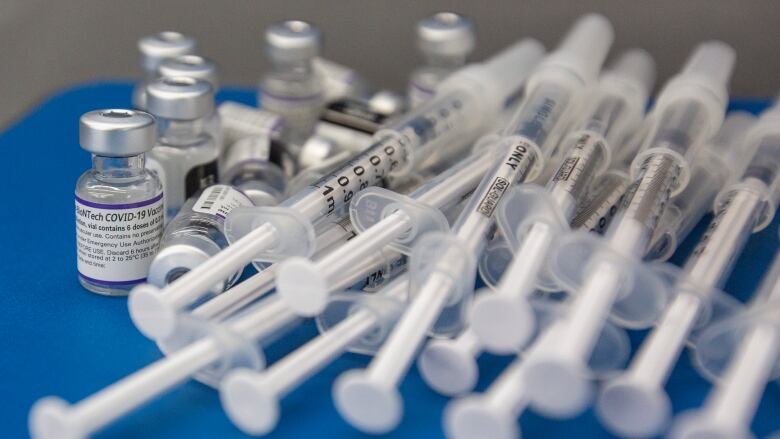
(494,413)
(445,263)
(212,351)
(689,111)
(504,321)
(449,366)
(251,399)
(754,337)
(462,109)
(635,403)
(383,218)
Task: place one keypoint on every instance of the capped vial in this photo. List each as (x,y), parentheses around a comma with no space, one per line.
(293,88)
(119,204)
(154,49)
(444,39)
(198,67)
(195,234)
(185,157)
(250,166)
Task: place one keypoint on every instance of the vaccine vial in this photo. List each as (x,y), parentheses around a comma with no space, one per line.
(293,88)
(445,40)
(250,166)
(185,157)
(119,204)
(154,49)
(196,234)
(198,67)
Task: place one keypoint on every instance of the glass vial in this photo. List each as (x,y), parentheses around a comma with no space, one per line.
(445,40)
(250,167)
(196,234)
(154,49)
(293,88)
(198,67)
(119,204)
(185,157)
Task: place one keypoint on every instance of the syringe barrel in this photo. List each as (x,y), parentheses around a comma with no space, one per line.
(690,108)
(769,290)
(621,96)
(582,51)
(465,104)
(761,155)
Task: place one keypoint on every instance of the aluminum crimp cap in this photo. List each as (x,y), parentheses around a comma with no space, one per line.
(117,132)
(191,66)
(292,40)
(180,98)
(157,47)
(446,33)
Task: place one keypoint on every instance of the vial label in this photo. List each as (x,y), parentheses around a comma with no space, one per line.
(116,242)
(219,200)
(200,177)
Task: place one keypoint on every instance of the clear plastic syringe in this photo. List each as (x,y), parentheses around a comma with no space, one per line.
(251,399)
(442,191)
(504,321)
(635,403)
(383,218)
(449,366)
(463,108)
(754,337)
(208,352)
(369,399)
(689,111)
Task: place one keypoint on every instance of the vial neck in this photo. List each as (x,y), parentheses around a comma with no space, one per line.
(118,168)
(444,61)
(181,132)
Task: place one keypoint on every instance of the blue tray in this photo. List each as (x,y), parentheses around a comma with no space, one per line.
(58,339)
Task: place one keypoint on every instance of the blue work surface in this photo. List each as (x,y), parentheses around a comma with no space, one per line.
(58,339)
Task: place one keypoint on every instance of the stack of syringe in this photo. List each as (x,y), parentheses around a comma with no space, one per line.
(373,216)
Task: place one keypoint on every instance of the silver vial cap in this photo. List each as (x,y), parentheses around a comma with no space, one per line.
(191,66)
(292,40)
(180,98)
(157,47)
(117,132)
(446,33)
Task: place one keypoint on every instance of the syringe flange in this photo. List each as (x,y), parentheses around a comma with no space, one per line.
(294,235)
(386,311)
(525,206)
(236,351)
(459,269)
(374,204)
(716,344)
(643,294)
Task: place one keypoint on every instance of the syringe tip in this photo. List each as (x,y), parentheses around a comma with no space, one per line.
(712,62)
(585,46)
(637,65)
